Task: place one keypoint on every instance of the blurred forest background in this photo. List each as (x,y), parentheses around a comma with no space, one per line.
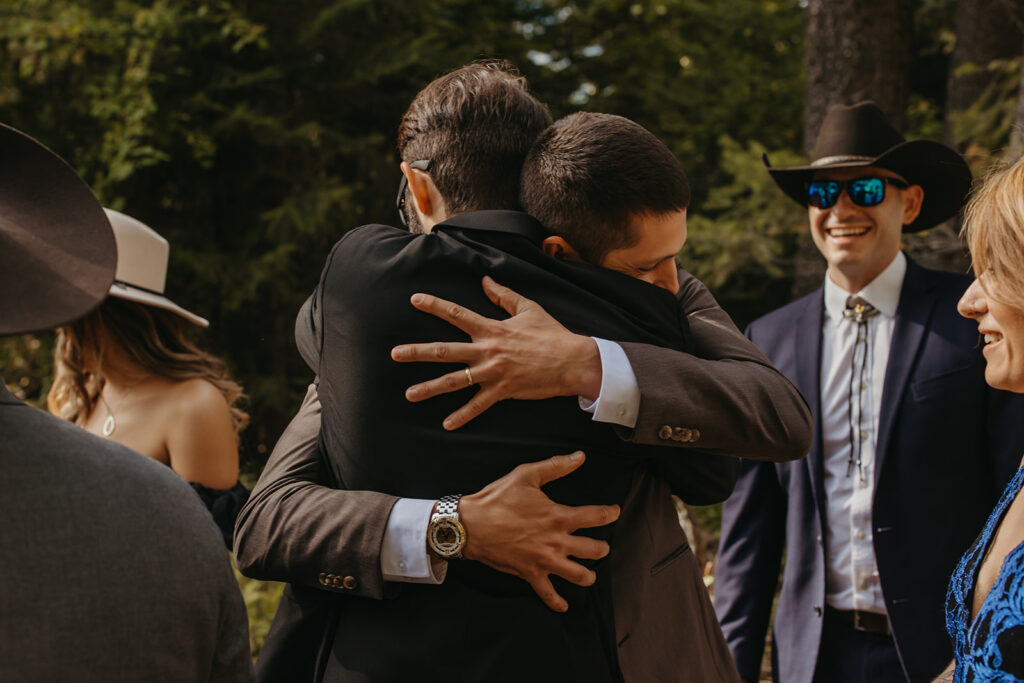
(254,133)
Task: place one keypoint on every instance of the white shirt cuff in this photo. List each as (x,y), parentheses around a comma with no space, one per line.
(619,400)
(403,555)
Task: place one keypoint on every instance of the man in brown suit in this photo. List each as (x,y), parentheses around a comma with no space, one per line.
(296,529)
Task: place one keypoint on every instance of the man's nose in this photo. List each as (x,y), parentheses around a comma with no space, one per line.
(667,277)
(844,205)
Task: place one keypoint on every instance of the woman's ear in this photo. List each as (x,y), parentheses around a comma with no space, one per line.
(556,247)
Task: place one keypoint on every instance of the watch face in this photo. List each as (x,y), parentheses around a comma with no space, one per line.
(446,536)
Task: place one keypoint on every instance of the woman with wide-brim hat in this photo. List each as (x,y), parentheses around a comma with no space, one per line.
(130,372)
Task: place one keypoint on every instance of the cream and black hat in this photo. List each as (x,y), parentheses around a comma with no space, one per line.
(142,257)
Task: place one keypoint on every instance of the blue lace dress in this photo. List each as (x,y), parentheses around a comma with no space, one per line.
(991,648)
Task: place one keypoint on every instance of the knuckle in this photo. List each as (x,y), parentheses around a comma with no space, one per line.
(455,311)
(442,350)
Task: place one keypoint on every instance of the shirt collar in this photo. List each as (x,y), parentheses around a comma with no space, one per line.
(883,292)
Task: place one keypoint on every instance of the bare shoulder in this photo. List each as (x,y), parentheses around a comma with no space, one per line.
(198,395)
(202,444)
(199,404)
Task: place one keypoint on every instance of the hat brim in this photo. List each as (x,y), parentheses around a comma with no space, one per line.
(141,296)
(942,173)
(57,250)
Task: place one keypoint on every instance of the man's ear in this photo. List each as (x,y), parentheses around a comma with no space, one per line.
(427,201)
(556,247)
(912,198)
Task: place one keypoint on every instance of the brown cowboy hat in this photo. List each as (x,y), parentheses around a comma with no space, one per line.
(861,135)
(57,251)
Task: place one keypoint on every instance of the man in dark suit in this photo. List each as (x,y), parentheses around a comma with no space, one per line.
(275,530)
(912,447)
(112,569)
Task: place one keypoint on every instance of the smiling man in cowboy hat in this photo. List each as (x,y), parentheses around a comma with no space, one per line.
(911,448)
(111,568)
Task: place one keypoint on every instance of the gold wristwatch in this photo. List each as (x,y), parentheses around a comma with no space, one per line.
(445,535)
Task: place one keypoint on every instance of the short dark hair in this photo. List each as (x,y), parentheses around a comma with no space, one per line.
(475,125)
(589,175)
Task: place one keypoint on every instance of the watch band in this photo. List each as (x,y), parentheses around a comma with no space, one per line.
(448,505)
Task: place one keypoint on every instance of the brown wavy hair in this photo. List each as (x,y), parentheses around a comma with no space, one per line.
(155,339)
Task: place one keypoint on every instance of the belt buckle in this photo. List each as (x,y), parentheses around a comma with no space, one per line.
(857,625)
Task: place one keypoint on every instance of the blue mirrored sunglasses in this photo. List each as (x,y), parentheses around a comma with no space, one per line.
(869,191)
(403,185)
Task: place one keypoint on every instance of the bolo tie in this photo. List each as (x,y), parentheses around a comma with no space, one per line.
(858,311)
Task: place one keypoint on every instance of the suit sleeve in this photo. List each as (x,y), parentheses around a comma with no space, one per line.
(296,529)
(753,536)
(727,390)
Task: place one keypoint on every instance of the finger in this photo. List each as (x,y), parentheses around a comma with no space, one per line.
(586,548)
(546,592)
(587,516)
(463,318)
(508,299)
(555,467)
(436,352)
(452,381)
(481,401)
(574,572)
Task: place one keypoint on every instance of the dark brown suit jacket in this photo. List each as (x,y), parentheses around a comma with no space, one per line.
(726,398)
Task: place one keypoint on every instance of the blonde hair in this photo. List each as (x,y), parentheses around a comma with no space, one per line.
(155,339)
(994,230)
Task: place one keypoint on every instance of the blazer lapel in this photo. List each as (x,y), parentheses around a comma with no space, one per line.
(912,316)
(808,370)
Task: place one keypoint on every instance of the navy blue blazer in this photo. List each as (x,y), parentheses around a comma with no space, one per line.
(947,445)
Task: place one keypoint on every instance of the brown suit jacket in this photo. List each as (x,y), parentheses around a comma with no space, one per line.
(295,529)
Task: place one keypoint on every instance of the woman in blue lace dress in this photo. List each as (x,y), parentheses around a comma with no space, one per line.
(985,602)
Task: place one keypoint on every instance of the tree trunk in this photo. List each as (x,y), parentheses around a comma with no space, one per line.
(1016,148)
(853,54)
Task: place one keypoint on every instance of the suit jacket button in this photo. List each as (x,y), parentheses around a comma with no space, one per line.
(682,434)
(694,434)
(349,582)
(817,610)
(665,432)
(322,579)
(335,581)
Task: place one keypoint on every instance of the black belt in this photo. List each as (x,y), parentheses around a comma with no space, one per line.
(871,622)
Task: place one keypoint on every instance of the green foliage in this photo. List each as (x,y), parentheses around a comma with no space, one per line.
(746,234)
(988,122)
(27,364)
(261,598)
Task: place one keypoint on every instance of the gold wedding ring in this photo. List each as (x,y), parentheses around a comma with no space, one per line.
(469,377)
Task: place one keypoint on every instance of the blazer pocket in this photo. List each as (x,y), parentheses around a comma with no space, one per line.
(670,558)
(940,383)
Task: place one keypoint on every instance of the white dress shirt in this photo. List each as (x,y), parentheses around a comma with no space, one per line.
(852,571)
(404,556)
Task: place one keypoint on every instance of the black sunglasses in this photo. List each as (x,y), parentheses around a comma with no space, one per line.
(403,184)
(867,191)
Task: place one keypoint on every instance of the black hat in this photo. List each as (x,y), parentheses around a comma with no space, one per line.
(861,135)
(57,250)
